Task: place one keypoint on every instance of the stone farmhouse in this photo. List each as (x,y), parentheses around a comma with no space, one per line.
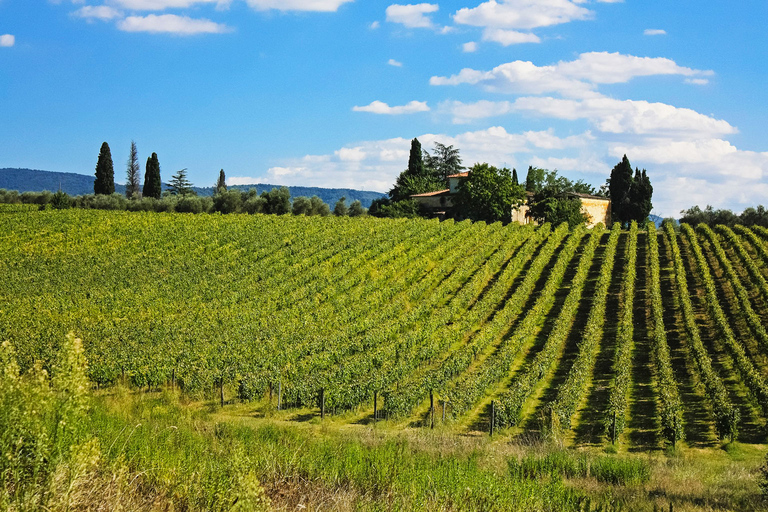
(440,204)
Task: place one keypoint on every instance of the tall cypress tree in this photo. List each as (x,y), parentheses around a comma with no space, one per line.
(416,159)
(133,176)
(514,177)
(152,183)
(621,183)
(105,172)
(221,184)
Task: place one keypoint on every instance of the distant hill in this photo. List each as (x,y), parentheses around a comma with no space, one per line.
(30,180)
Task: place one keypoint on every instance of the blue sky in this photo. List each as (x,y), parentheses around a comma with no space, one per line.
(330,92)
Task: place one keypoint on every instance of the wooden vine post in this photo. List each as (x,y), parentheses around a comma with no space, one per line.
(493,415)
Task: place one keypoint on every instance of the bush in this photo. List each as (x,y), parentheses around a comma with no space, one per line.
(61,201)
(42,421)
(229,201)
(189,204)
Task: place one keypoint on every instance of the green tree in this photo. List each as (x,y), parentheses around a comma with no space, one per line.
(133,174)
(356,209)
(302,206)
(559,209)
(278,201)
(514,177)
(417,178)
(319,207)
(221,183)
(445,162)
(620,185)
(487,194)
(415,159)
(630,195)
(229,201)
(180,185)
(152,183)
(105,172)
(534,180)
(340,209)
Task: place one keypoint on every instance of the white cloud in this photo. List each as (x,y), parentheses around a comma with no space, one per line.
(654,32)
(98,12)
(412,15)
(509,37)
(298,5)
(374,25)
(171,24)
(469,47)
(519,77)
(628,116)
(374,165)
(614,68)
(393,62)
(697,81)
(351,154)
(522,14)
(379,107)
(158,5)
(576,78)
(468,112)
(7,40)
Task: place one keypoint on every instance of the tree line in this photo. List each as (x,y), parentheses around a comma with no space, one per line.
(179,196)
(491,194)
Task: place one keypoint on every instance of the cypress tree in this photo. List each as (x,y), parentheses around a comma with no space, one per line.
(415,159)
(133,176)
(105,172)
(514,177)
(621,183)
(221,183)
(152,183)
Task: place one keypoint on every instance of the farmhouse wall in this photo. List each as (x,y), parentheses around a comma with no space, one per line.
(598,210)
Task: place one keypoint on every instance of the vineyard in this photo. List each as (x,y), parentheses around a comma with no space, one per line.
(644,338)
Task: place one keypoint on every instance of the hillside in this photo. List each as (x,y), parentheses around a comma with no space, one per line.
(622,341)
(28,180)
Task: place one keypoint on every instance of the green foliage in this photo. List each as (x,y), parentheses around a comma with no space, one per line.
(61,201)
(572,391)
(417,178)
(711,217)
(561,464)
(356,209)
(221,183)
(340,209)
(132,175)
(511,402)
(630,196)
(445,161)
(670,406)
(105,172)
(726,415)
(152,182)
(558,209)
(618,399)
(228,201)
(43,419)
(487,194)
(278,201)
(407,208)
(180,185)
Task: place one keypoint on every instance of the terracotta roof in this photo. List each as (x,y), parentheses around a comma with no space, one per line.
(460,175)
(587,196)
(430,194)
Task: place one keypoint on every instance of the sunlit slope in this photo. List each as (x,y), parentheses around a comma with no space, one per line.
(642,337)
